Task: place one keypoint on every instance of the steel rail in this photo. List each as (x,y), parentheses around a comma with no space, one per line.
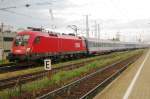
(66,88)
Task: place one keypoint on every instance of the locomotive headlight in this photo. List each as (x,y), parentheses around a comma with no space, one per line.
(28,50)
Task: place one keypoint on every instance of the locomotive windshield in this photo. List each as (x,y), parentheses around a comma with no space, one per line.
(21,40)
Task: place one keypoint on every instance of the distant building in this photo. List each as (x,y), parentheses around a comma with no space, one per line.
(6,38)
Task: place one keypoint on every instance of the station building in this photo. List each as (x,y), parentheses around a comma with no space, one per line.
(6,38)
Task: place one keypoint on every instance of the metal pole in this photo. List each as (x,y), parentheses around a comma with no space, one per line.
(53,26)
(2,38)
(95,29)
(76,30)
(87,27)
(98,26)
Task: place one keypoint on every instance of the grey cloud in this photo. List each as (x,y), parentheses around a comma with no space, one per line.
(31,15)
(135,24)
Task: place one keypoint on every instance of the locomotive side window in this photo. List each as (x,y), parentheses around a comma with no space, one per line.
(37,40)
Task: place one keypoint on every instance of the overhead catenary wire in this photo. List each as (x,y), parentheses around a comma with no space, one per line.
(21,14)
(27,5)
(7,9)
(13,12)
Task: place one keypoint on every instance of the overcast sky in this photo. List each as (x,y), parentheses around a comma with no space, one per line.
(130,18)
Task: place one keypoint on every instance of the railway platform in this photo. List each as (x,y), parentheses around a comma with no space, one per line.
(133,83)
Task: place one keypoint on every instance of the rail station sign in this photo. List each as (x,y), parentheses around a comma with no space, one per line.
(47,64)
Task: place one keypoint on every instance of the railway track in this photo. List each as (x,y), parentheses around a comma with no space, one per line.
(14,67)
(88,86)
(6,64)
(4,68)
(12,82)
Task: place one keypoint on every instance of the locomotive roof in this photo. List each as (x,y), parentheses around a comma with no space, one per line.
(48,34)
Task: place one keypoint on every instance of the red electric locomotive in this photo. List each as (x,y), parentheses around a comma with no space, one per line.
(33,45)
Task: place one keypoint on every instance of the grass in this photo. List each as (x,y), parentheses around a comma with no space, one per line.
(1,61)
(21,72)
(65,75)
(4,61)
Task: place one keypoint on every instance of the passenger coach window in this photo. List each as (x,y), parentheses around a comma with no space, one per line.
(37,40)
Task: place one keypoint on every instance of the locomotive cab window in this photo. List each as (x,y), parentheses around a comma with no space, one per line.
(37,40)
(21,40)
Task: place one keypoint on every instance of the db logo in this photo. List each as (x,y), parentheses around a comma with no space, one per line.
(77,45)
(47,64)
